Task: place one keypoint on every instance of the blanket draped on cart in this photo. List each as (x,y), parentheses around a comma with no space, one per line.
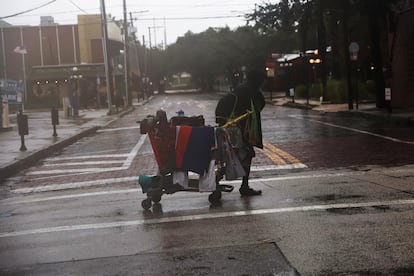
(184,148)
(193,148)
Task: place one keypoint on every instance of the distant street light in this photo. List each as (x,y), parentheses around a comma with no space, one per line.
(314,62)
(288,80)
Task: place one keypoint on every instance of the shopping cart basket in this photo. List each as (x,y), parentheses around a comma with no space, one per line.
(165,138)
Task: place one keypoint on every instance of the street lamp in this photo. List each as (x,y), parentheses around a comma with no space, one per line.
(287,65)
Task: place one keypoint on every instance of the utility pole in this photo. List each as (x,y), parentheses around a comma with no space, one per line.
(106,56)
(126,52)
(132,24)
(155,34)
(165,34)
(145,55)
(149,61)
(149,35)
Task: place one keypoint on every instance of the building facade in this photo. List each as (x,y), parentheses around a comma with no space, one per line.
(62,63)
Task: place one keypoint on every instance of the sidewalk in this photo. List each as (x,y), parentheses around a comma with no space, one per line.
(40,142)
(400,116)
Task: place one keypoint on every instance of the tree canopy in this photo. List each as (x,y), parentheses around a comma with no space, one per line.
(283,27)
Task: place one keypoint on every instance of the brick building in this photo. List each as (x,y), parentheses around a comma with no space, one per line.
(61,59)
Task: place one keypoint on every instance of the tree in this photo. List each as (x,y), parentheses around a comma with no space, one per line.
(217,51)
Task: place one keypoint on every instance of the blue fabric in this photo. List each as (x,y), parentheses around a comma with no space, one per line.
(198,153)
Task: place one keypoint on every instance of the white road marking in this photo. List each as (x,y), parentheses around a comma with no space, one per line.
(73,185)
(354,130)
(83,163)
(88,157)
(125,165)
(71,171)
(134,152)
(278,167)
(106,225)
(103,182)
(116,129)
(71,196)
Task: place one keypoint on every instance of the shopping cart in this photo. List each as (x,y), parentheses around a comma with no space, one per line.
(165,140)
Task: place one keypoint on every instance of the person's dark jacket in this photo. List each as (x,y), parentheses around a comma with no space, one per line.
(240,101)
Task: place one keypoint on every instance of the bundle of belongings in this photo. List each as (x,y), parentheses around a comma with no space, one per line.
(184,145)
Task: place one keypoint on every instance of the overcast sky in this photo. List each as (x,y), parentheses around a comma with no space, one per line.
(148,15)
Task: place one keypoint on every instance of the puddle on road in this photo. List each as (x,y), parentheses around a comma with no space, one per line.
(5,215)
(330,197)
(361,210)
(347,211)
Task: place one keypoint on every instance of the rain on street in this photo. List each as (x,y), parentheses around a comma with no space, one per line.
(337,199)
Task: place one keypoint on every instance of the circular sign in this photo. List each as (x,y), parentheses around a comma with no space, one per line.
(353,50)
(353,47)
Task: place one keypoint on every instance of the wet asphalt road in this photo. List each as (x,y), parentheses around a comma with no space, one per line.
(338,199)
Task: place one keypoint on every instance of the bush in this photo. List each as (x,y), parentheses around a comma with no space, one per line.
(336,91)
(315,90)
(300,91)
(367,90)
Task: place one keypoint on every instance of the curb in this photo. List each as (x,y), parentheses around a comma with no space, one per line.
(383,116)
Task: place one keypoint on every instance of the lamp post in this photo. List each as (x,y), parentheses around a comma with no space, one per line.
(288,65)
(75,93)
(126,68)
(314,62)
(105,46)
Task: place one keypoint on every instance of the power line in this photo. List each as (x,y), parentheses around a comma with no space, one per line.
(79,8)
(190,18)
(29,10)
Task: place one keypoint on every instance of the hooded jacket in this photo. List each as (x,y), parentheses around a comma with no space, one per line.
(240,101)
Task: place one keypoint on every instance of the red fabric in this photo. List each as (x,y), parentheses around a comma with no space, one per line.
(163,147)
(183,137)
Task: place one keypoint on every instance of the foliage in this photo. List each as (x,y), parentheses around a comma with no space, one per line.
(217,51)
(337,91)
(285,27)
(300,91)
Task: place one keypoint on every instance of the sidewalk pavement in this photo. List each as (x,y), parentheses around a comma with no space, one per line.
(368,109)
(40,141)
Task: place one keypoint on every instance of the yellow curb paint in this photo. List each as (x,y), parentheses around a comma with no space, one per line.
(274,157)
(280,153)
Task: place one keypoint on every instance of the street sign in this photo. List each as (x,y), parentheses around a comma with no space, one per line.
(353,50)
(12,91)
(388,94)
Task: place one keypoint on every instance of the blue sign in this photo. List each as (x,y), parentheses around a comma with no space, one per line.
(12,91)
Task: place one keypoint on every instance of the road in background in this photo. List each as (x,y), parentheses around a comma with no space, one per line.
(337,199)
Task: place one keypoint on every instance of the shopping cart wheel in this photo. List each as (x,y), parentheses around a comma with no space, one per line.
(214,197)
(146,203)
